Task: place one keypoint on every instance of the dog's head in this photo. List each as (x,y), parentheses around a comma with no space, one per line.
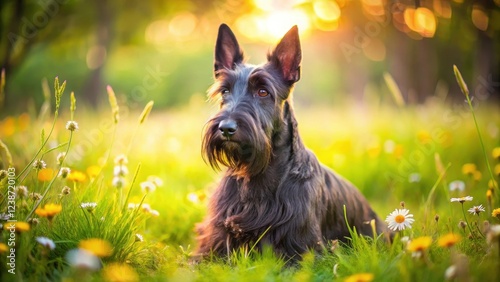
(252,103)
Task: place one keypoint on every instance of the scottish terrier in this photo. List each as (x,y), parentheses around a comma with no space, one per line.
(274,192)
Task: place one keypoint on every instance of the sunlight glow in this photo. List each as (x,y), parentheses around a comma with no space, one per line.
(421,20)
(327,10)
(479,18)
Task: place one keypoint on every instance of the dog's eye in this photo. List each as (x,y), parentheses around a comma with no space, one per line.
(224,91)
(262,92)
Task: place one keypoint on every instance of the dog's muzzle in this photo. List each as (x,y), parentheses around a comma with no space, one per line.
(228,127)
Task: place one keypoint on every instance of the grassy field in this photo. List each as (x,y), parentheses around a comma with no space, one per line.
(137,185)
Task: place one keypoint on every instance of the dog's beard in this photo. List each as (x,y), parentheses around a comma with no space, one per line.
(247,153)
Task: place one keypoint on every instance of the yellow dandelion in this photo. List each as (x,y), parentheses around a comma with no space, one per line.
(360,277)
(93,171)
(19,226)
(496,170)
(496,153)
(49,211)
(419,244)
(469,169)
(492,184)
(45,174)
(23,121)
(3,248)
(98,247)
(496,213)
(448,240)
(477,175)
(489,194)
(77,176)
(119,272)
(424,137)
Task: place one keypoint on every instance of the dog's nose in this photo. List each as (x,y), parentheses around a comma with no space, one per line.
(228,127)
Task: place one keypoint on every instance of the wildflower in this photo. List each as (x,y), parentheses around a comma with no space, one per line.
(90,207)
(492,184)
(468,169)
(477,175)
(148,187)
(462,224)
(83,259)
(450,273)
(476,209)
(496,170)
(146,208)
(64,171)
(22,191)
(400,219)
(121,160)
(419,244)
(462,199)
(77,176)
(66,190)
(60,158)
(132,206)
(448,240)
(3,248)
(98,247)
(156,180)
(496,153)
(139,238)
(457,185)
(72,125)
(93,171)
(360,277)
(33,221)
(154,213)
(35,196)
(436,218)
(3,174)
(119,272)
(46,242)
(496,213)
(414,177)
(39,164)
(19,226)
(45,174)
(120,170)
(49,211)
(119,182)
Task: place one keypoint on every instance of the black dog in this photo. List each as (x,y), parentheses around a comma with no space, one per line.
(275,192)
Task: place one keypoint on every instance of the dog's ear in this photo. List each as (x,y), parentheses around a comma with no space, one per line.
(287,56)
(227,50)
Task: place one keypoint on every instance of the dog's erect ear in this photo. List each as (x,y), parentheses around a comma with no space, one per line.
(287,56)
(227,50)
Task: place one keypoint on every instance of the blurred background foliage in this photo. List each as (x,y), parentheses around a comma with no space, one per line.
(162,49)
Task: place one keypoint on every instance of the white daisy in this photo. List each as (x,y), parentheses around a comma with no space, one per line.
(399,219)
(476,209)
(462,199)
(72,125)
(90,207)
(46,242)
(148,186)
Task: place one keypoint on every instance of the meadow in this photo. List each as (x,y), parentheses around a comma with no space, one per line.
(114,194)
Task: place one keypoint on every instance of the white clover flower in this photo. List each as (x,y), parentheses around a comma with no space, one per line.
(72,125)
(154,213)
(22,191)
(120,170)
(146,208)
(46,242)
(64,172)
(139,238)
(457,185)
(90,207)
(148,187)
(121,160)
(132,206)
(476,209)
(156,180)
(399,219)
(82,259)
(119,182)
(60,157)
(39,164)
(462,199)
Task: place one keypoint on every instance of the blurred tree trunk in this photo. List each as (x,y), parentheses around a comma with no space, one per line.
(104,35)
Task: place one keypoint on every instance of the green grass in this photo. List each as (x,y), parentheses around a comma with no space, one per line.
(379,148)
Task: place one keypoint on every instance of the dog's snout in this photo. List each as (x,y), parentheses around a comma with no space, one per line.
(228,127)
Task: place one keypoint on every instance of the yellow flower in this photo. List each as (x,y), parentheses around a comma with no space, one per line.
(492,184)
(119,272)
(360,277)
(76,176)
(468,169)
(448,240)
(424,137)
(419,244)
(49,211)
(19,226)
(496,170)
(98,247)
(45,174)
(496,213)
(93,171)
(477,175)
(496,153)
(3,248)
